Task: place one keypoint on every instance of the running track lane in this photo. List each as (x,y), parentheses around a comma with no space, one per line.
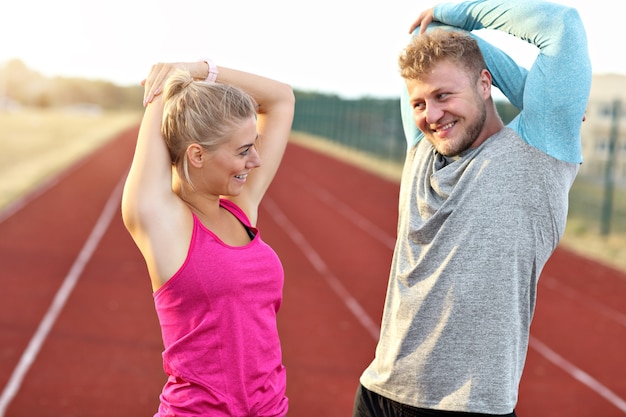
(333,227)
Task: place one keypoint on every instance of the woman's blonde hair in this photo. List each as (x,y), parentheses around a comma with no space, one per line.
(428,49)
(202,113)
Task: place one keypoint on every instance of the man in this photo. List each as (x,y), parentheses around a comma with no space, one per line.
(482,207)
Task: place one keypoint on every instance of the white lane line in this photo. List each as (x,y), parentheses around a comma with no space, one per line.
(578,374)
(357,219)
(44,186)
(579,297)
(38,339)
(318,263)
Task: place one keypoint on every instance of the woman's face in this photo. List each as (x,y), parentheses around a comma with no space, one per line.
(227,167)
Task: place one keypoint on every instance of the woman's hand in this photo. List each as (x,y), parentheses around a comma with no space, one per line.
(153,84)
(423,20)
(159,73)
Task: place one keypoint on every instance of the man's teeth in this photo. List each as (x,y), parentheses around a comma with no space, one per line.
(447,126)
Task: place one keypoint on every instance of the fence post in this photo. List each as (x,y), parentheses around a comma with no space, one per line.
(609,185)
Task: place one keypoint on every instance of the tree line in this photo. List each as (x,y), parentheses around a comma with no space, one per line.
(27,87)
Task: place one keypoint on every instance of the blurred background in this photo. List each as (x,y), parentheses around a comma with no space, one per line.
(71,71)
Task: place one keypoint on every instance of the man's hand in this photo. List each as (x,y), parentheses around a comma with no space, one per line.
(424,19)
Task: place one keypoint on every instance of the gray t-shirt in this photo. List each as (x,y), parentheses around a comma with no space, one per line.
(474,233)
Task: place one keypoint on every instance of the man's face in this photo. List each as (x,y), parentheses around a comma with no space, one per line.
(450,108)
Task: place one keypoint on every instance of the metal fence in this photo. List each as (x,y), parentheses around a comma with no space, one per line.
(370,125)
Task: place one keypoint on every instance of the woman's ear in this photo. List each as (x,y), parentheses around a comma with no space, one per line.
(195,155)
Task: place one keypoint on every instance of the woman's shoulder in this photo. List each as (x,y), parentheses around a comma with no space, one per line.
(235,210)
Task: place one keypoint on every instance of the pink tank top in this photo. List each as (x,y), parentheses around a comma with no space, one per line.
(218,322)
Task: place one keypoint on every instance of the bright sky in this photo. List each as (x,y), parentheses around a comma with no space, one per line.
(348,47)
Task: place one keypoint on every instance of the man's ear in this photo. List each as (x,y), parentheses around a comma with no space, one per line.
(195,155)
(485,82)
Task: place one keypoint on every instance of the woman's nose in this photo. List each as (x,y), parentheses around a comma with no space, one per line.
(254,161)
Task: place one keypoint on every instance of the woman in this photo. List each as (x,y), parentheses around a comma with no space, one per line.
(191,204)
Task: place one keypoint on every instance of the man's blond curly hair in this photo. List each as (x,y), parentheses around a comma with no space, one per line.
(426,50)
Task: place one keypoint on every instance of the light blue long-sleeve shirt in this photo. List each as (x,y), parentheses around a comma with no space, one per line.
(552,96)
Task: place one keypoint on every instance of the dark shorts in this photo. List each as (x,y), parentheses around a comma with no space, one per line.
(370,404)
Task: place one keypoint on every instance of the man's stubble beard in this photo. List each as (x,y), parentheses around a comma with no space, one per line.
(456,147)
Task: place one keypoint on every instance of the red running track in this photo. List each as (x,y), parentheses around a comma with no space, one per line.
(79,336)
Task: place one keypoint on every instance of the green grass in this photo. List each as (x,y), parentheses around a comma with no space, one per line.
(587,202)
(584,231)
